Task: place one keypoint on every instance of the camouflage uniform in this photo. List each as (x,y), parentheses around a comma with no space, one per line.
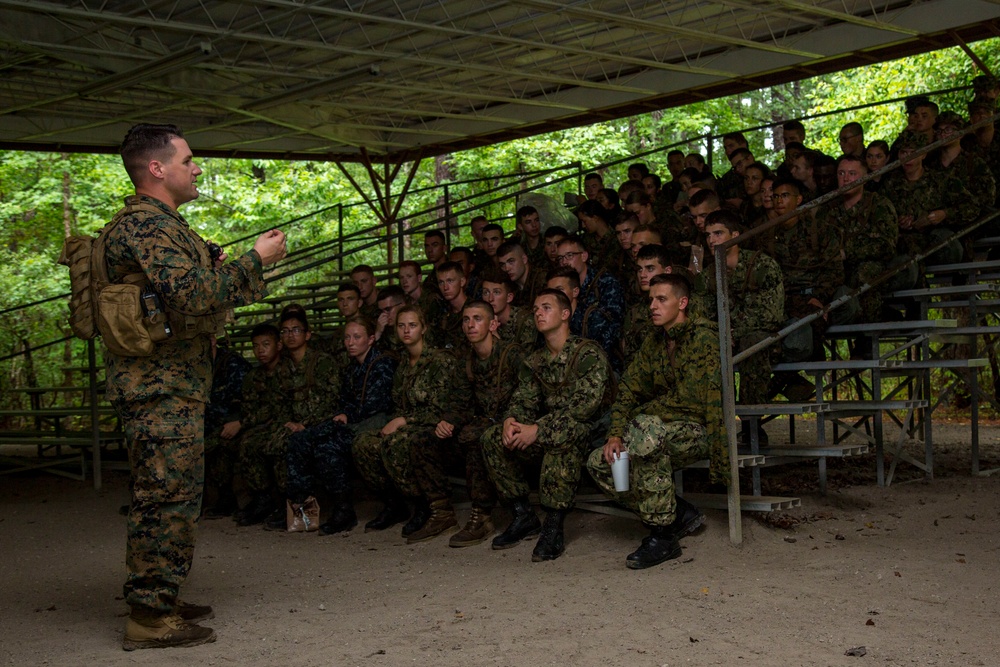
(599,313)
(535,282)
(730,186)
(228,371)
(433,389)
(975,175)
(605,253)
(160,399)
(446,334)
(869,231)
(669,415)
(265,410)
(637,326)
(756,311)
(932,191)
(520,328)
(370,311)
(389,344)
(564,401)
(320,456)
(536,255)
(311,388)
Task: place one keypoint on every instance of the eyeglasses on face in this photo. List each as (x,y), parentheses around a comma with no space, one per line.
(294,331)
(568,256)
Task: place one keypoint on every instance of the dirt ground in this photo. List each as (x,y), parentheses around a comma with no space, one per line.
(907,572)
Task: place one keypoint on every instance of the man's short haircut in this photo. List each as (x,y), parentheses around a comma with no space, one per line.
(639,197)
(564,272)
(298,314)
(363,268)
(810,157)
(296,309)
(765,171)
(450,266)
(628,187)
(555,231)
(674,152)
(793,125)
(265,329)
(914,103)
(413,308)
(594,176)
(391,292)
(509,246)
(735,136)
(522,212)
(493,227)
(640,167)
(561,298)
(824,160)
(849,157)
(478,217)
(363,321)
(145,142)
(692,174)
(482,305)
(626,217)
(647,228)
(853,126)
(680,285)
(654,251)
(593,209)
(470,257)
(611,196)
(576,241)
(740,151)
(349,287)
(725,217)
(793,183)
(409,263)
(795,146)
(498,277)
(657,181)
(435,234)
(704,197)
(698,157)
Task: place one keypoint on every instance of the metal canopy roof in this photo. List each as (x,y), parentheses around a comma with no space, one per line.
(402,78)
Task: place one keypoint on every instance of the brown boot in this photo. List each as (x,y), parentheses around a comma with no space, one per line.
(164,632)
(442,518)
(478,528)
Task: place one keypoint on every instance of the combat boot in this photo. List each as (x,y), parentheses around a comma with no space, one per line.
(421,513)
(476,530)
(258,510)
(164,632)
(550,542)
(341,518)
(193,613)
(688,519)
(277,520)
(524,524)
(659,547)
(441,519)
(392,513)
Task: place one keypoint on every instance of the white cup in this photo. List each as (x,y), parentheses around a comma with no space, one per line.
(619,470)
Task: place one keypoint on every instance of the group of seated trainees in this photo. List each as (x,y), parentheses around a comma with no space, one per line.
(536,355)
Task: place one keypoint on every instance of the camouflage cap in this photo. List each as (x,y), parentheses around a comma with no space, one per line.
(909,139)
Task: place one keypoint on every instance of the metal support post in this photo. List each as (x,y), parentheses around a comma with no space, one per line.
(728,398)
(95,424)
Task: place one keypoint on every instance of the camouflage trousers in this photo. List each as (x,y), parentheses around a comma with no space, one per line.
(220,462)
(871,301)
(562,463)
(432,460)
(655,449)
(755,371)
(319,458)
(263,464)
(386,462)
(166,453)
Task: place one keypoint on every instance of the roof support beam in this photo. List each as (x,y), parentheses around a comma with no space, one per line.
(807,8)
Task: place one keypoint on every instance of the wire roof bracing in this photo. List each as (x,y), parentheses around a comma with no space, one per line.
(400,78)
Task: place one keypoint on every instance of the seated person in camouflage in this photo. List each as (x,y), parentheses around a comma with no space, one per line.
(319,458)
(527,277)
(756,307)
(348,306)
(921,114)
(529,227)
(598,239)
(852,139)
(752,210)
(930,205)
(625,225)
(222,426)
(601,308)
(516,325)
(644,235)
(416,292)
(734,194)
(310,382)
(492,240)
(390,300)
(668,414)
(446,332)
(363,276)
(429,391)
(465,258)
(550,417)
(264,410)
(982,143)
(968,168)
(869,230)
(553,237)
(803,169)
(652,261)
(436,251)
(566,280)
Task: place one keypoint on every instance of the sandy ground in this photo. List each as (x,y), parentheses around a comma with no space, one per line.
(908,572)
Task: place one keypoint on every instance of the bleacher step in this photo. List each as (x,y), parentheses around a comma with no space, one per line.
(902,328)
(805,451)
(768,409)
(719,501)
(847,408)
(742,461)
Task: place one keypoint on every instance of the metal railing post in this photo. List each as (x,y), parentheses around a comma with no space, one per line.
(95,425)
(728,398)
(340,237)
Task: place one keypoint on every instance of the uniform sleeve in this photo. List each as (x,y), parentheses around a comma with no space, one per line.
(378,393)
(526,403)
(585,384)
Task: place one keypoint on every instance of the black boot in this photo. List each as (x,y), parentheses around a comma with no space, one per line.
(689,519)
(659,547)
(342,517)
(277,520)
(524,524)
(258,510)
(550,542)
(392,513)
(421,513)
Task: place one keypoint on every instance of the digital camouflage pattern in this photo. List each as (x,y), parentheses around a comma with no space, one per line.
(228,372)
(600,312)
(870,231)
(264,412)
(655,450)
(160,399)
(431,390)
(563,399)
(637,326)
(446,333)
(519,329)
(932,191)
(975,175)
(677,377)
(808,253)
(535,282)
(319,458)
